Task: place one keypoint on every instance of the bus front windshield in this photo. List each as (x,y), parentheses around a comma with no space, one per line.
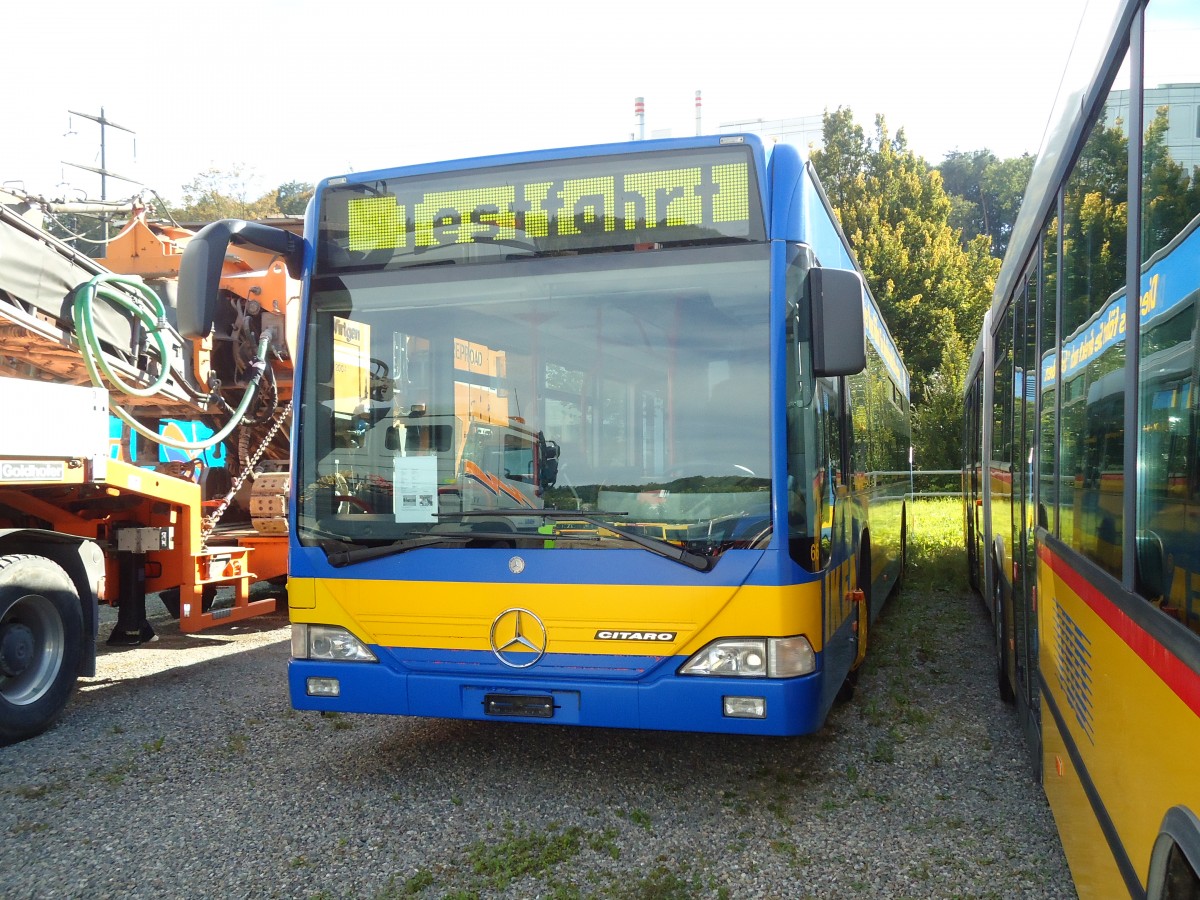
(531,401)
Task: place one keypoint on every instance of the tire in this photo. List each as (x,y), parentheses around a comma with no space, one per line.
(41,642)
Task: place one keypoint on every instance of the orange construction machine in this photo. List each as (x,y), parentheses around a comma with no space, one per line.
(133,460)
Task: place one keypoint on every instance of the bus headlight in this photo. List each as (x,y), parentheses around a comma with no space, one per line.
(328,642)
(731,657)
(754,658)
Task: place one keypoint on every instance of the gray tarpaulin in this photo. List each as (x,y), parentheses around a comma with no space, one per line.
(42,273)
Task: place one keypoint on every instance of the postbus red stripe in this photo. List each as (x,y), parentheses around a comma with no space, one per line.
(1174,673)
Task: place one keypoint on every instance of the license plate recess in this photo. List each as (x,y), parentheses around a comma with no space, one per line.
(522,706)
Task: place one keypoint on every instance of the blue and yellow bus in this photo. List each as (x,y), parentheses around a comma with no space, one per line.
(1082,456)
(594,436)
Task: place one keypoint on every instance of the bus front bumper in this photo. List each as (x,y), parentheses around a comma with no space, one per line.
(672,703)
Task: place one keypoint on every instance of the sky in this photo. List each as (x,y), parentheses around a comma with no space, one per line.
(299,90)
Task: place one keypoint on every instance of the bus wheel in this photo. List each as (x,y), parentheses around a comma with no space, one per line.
(41,641)
(1003,684)
(845,693)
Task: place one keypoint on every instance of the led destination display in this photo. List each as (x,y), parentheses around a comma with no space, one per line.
(563,205)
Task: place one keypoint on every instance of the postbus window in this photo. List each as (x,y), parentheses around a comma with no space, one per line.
(1048,474)
(1002,462)
(1025,368)
(1002,406)
(1168,492)
(1095,213)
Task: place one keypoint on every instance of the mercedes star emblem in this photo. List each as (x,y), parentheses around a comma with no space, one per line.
(518,638)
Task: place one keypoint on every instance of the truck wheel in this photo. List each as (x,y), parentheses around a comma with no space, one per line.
(41,641)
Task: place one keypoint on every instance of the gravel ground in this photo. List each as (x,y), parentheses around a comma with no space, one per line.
(182,771)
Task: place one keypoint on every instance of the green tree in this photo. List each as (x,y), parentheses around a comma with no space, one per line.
(985,193)
(292,198)
(962,177)
(1004,184)
(842,164)
(1168,193)
(86,233)
(1095,222)
(932,288)
(226,194)
(937,419)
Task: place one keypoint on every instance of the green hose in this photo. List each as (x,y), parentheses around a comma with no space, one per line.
(155,322)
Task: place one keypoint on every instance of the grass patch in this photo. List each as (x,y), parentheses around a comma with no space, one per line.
(520,853)
(661,883)
(641,818)
(417,883)
(937,555)
(35,792)
(605,843)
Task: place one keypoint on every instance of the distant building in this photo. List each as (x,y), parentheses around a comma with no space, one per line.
(805,132)
(1183,114)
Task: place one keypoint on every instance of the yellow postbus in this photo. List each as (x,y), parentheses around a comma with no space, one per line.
(1081,462)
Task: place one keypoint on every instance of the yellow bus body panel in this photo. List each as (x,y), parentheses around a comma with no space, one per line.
(1136,736)
(459,615)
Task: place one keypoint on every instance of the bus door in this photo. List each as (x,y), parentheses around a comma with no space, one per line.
(1004,465)
(1022,640)
(830,491)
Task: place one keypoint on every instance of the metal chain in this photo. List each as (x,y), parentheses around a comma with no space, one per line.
(210,522)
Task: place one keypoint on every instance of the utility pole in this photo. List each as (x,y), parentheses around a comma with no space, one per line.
(103,171)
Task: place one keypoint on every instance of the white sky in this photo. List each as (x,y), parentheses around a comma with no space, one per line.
(297,90)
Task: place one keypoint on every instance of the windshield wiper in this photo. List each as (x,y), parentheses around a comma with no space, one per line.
(654,545)
(358,553)
(344,554)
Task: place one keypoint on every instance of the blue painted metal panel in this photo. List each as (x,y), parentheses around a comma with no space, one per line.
(670,702)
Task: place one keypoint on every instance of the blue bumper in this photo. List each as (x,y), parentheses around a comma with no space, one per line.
(667,702)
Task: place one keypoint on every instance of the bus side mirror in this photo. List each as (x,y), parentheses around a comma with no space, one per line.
(203,264)
(838,331)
